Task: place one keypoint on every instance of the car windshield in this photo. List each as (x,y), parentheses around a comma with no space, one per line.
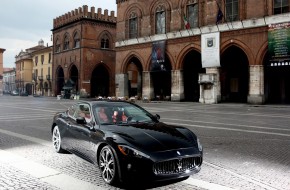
(121,113)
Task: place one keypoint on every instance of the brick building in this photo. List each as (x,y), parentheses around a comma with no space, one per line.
(84,52)
(163,48)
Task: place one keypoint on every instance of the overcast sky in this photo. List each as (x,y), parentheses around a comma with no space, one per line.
(25,22)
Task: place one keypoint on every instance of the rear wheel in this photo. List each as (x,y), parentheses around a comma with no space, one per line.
(56,140)
(108,165)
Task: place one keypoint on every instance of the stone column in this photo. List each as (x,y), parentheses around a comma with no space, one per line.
(147,91)
(121,85)
(256,84)
(177,85)
(217,83)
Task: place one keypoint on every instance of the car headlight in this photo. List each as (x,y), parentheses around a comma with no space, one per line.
(129,151)
(199,145)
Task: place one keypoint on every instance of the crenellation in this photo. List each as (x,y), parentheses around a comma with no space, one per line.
(84,12)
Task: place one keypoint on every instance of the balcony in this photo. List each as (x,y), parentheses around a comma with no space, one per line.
(47,77)
(40,78)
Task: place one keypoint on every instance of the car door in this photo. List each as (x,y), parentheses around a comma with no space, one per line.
(68,138)
(81,133)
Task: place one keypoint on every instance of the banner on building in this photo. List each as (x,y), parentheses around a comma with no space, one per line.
(279,44)
(158,56)
(210,50)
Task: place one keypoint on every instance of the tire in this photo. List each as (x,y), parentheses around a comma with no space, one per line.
(56,140)
(108,165)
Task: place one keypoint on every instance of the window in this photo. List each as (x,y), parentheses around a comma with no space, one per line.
(49,58)
(105,42)
(66,43)
(281,6)
(160,21)
(192,15)
(232,10)
(36,60)
(57,46)
(76,40)
(42,59)
(133,26)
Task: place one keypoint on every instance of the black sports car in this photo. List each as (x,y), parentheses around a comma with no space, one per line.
(126,142)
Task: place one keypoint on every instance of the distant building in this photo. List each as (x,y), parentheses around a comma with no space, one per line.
(1,69)
(24,66)
(84,53)
(42,71)
(9,75)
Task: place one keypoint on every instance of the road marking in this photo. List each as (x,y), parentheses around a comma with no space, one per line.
(28,138)
(44,173)
(238,125)
(228,129)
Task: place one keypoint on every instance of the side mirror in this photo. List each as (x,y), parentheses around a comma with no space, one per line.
(157,116)
(81,120)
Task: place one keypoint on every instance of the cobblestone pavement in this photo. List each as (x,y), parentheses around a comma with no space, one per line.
(245,147)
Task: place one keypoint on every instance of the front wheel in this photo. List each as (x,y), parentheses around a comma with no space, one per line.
(56,140)
(108,165)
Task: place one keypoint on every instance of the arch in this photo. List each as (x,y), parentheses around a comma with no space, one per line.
(76,39)
(159,5)
(59,81)
(134,69)
(184,52)
(57,44)
(234,75)
(127,59)
(192,67)
(105,39)
(239,44)
(261,53)
(167,55)
(66,41)
(74,76)
(162,88)
(133,18)
(100,81)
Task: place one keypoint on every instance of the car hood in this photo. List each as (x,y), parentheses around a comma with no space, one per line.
(156,137)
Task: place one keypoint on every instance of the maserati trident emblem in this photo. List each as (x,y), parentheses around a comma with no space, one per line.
(179,165)
(178,153)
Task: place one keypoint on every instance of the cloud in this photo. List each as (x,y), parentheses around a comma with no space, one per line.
(25,22)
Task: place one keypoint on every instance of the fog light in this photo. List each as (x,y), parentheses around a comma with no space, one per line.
(129,166)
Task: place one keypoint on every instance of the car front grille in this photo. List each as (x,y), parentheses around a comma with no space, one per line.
(180,165)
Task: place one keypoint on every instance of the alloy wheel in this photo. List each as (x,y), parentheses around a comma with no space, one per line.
(107,165)
(56,139)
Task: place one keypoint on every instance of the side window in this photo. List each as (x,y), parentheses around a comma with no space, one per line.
(84,111)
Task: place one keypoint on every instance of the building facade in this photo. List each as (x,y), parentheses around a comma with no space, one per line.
(84,52)
(24,66)
(161,52)
(42,71)
(9,75)
(1,69)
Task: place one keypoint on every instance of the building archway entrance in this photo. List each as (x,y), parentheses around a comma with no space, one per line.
(161,78)
(277,79)
(134,71)
(100,82)
(74,76)
(191,68)
(234,75)
(59,80)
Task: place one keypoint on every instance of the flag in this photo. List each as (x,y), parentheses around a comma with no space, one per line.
(186,23)
(219,16)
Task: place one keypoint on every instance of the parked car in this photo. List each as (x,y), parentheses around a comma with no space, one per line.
(126,142)
(24,93)
(15,93)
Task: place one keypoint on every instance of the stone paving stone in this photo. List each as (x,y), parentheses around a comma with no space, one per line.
(13,179)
